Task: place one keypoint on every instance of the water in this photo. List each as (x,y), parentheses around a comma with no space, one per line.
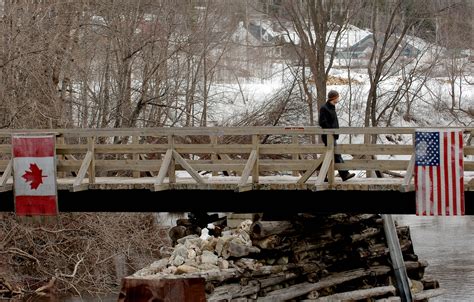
(447,243)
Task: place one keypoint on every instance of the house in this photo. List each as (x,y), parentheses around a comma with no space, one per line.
(363,48)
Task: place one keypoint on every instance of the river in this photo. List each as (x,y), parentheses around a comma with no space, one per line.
(447,243)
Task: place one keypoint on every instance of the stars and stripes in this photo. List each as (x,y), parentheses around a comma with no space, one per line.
(439,182)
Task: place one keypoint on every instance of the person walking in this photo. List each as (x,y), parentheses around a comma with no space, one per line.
(328,120)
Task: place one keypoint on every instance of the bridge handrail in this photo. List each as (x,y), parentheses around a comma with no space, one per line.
(163,131)
(250,157)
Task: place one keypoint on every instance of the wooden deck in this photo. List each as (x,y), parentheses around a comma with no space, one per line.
(252,158)
(231,183)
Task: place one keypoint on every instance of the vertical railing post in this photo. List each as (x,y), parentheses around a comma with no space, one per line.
(172,168)
(294,140)
(330,140)
(214,154)
(60,157)
(256,171)
(91,148)
(136,156)
(367,141)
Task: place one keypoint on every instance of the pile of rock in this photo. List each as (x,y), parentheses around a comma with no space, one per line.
(315,257)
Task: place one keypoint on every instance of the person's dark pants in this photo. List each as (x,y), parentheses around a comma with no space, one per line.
(338,160)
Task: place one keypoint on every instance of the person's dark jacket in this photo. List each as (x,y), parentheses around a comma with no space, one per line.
(328,119)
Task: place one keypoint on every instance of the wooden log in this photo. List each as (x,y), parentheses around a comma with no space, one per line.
(429,283)
(426,294)
(380,249)
(298,290)
(239,250)
(262,229)
(271,269)
(231,291)
(358,294)
(219,275)
(270,242)
(276,279)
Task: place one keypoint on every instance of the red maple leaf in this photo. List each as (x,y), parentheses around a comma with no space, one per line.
(34,175)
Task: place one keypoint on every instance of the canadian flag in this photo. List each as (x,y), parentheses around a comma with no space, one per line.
(34,174)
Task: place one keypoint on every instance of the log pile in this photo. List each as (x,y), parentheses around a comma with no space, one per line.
(305,257)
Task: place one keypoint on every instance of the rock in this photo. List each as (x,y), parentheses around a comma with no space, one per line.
(153,268)
(183,240)
(208,267)
(205,234)
(185,269)
(283,260)
(178,260)
(191,254)
(245,226)
(181,250)
(193,243)
(221,242)
(222,263)
(210,244)
(271,261)
(209,257)
(170,270)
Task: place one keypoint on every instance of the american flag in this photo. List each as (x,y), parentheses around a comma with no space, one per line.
(439,181)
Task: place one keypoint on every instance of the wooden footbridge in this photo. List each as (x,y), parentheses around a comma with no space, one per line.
(150,169)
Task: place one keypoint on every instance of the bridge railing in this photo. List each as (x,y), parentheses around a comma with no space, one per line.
(245,152)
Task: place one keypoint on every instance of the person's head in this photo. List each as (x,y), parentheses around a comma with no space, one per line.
(333,97)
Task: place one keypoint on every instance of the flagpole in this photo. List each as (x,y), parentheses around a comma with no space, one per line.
(397,258)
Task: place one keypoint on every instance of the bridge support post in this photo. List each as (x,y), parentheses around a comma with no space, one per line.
(397,258)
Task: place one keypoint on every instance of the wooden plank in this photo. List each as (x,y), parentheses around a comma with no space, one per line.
(206,148)
(255,171)
(244,188)
(68,165)
(59,157)
(410,169)
(164,168)
(136,141)
(468,150)
(172,166)
(82,171)
(377,164)
(5,149)
(162,187)
(126,165)
(295,156)
(310,171)
(7,173)
(90,148)
(79,188)
(328,157)
(188,168)
(65,149)
(132,148)
(214,154)
(3,164)
(330,173)
(144,158)
(363,149)
(468,166)
(206,131)
(248,167)
(289,149)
